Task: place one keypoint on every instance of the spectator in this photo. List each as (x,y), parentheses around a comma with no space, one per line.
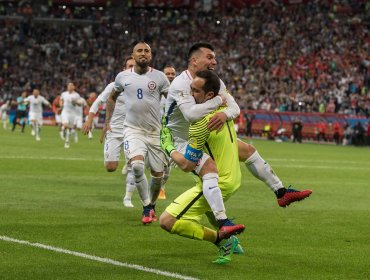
(286,67)
(336,134)
(248,124)
(347,135)
(297,130)
(358,135)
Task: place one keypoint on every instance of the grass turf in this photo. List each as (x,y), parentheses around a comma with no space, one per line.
(64,198)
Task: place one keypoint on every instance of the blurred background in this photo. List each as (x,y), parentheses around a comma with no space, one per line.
(298,69)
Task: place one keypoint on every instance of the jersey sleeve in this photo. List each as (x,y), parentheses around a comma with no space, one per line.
(186,103)
(102,98)
(118,85)
(95,106)
(232,110)
(45,101)
(198,135)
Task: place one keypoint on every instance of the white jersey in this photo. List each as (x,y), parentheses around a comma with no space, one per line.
(4,108)
(142,94)
(36,103)
(68,107)
(181,109)
(119,113)
(80,109)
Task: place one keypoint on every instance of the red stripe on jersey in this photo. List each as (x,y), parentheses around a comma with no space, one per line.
(188,73)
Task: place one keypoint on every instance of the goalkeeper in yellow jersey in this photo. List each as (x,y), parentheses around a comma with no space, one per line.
(183,215)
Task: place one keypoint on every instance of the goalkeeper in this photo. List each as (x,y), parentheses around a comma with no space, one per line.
(183,215)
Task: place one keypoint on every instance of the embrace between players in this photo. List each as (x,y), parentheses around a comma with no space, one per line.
(197,133)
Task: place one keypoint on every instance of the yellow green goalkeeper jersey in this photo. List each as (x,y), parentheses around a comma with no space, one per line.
(221,146)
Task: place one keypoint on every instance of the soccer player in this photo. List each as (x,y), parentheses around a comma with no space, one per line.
(35,102)
(183,215)
(57,113)
(181,109)
(170,73)
(79,117)
(142,87)
(69,100)
(21,112)
(112,134)
(4,109)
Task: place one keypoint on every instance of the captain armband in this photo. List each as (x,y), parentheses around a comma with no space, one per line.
(193,154)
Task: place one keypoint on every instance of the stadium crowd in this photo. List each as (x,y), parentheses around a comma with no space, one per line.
(309,58)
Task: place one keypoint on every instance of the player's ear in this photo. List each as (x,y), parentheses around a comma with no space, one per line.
(210,95)
(193,60)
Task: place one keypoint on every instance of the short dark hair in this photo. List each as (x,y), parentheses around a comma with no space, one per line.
(212,81)
(139,42)
(197,46)
(127,59)
(168,66)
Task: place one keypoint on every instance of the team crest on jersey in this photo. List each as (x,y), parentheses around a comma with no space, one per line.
(152,85)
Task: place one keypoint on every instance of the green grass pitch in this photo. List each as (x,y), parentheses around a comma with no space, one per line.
(64,198)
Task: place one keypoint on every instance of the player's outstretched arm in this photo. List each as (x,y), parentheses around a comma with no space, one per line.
(90,117)
(193,112)
(111,102)
(87,126)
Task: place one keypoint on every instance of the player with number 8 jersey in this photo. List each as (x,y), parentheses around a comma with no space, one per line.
(142,94)
(142,87)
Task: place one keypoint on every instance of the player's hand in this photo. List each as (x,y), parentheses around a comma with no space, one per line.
(87,126)
(106,128)
(167,141)
(217,121)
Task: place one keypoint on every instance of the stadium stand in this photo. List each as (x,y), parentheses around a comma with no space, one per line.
(275,56)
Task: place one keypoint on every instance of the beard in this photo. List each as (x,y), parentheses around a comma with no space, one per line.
(143,63)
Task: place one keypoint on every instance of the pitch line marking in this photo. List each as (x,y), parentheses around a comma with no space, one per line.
(98,259)
(284,165)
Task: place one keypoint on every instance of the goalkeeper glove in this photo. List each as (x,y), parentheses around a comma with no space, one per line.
(167,141)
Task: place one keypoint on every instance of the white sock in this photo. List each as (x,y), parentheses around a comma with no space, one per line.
(155,187)
(130,184)
(68,133)
(212,193)
(74,132)
(141,181)
(37,130)
(263,171)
